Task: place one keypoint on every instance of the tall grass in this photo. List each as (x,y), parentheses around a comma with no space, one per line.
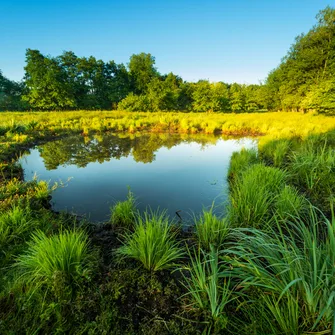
(123,212)
(312,170)
(276,152)
(294,271)
(253,195)
(153,242)
(290,203)
(207,289)
(211,230)
(16,225)
(65,257)
(240,161)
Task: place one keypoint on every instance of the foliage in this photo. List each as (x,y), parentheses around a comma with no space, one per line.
(142,71)
(304,79)
(10,94)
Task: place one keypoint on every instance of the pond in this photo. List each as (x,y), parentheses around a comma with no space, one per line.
(177,172)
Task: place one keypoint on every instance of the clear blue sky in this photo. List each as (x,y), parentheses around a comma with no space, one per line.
(233,41)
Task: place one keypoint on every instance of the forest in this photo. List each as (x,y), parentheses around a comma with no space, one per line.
(303,81)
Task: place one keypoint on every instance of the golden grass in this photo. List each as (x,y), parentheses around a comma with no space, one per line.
(273,125)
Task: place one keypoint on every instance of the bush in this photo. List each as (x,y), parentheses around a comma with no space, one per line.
(134,103)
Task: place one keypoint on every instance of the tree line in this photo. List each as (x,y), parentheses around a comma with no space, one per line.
(304,80)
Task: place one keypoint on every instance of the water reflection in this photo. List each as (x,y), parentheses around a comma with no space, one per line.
(176,172)
(81,150)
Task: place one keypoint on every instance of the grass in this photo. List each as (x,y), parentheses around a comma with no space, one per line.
(207,289)
(240,161)
(276,152)
(273,275)
(294,271)
(312,170)
(210,230)
(253,195)
(63,256)
(123,212)
(153,242)
(290,203)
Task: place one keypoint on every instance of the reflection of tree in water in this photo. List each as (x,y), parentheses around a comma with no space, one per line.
(83,150)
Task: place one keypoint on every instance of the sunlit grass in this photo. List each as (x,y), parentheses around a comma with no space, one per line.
(153,242)
(123,212)
(64,256)
(240,161)
(273,125)
(253,195)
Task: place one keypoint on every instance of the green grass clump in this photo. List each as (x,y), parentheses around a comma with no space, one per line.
(123,212)
(276,152)
(253,195)
(153,242)
(313,171)
(290,203)
(207,288)
(211,230)
(47,259)
(16,225)
(294,271)
(240,161)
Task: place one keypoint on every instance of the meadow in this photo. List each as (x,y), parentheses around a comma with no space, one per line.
(265,268)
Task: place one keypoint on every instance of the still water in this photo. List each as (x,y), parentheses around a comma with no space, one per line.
(174,172)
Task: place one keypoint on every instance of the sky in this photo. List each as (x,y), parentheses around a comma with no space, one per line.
(218,40)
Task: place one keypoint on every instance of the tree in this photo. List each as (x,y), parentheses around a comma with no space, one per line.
(142,71)
(10,94)
(305,73)
(237,97)
(46,82)
(210,97)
